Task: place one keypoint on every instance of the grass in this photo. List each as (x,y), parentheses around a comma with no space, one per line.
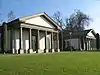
(68,63)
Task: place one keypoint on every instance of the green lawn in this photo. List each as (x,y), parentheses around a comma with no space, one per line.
(68,63)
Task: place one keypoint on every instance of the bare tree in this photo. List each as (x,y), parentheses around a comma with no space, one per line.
(59,20)
(77,21)
(10,16)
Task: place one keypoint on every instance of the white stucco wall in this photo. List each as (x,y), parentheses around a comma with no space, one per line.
(33,42)
(16,38)
(55,44)
(39,21)
(25,39)
(25,44)
(74,42)
(42,41)
(49,41)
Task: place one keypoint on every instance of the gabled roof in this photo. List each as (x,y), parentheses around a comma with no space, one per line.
(40,14)
(22,19)
(77,34)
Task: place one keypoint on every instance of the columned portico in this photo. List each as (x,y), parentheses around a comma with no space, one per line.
(46,42)
(34,34)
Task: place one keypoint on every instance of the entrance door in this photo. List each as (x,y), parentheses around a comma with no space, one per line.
(48,43)
(34,43)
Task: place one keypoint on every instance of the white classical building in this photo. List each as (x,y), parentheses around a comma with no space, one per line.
(33,34)
(82,40)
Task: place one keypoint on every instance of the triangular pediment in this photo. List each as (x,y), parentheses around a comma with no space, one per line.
(41,21)
(90,34)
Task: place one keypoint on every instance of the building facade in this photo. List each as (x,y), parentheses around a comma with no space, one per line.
(83,40)
(32,34)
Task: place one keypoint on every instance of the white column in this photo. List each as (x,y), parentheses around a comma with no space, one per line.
(89,45)
(30,41)
(21,51)
(58,50)
(92,44)
(52,43)
(12,40)
(46,50)
(38,39)
(16,51)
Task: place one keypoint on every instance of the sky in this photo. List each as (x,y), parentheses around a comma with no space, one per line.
(66,7)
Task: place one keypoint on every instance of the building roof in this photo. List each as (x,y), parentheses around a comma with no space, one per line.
(77,34)
(22,19)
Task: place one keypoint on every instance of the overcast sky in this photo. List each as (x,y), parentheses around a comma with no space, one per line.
(67,7)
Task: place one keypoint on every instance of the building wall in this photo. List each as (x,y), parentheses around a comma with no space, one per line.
(9,39)
(33,43)
(42,41)
(25,42)
(25,39)
(16,39)
(89,44)
(49,41)
(73,42)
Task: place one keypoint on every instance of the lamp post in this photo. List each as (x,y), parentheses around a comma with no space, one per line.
(70,40)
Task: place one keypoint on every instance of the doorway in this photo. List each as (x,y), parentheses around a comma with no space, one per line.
(34,43)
